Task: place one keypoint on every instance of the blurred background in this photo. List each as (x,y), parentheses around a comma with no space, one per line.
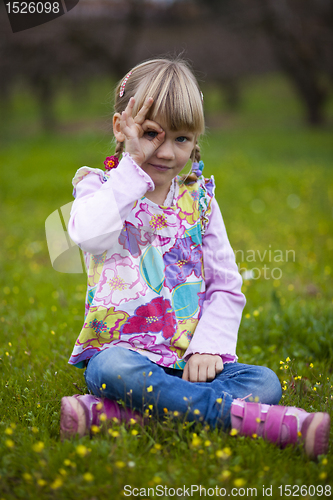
(266,71)
(227,41)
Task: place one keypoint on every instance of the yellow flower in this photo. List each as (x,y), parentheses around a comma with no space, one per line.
(225,474)
(256,313)
(35,430)
(113,433)
(311,365)
(150,407)
(219,400)
(99,406)
(38,447)
(27,477)
(176,413)
(132,421)
(103,386)
(323,475)
(41,482)
(135,432)
(82,450)
(288,359)
(63,472)
(324,461)
(233,432)
(67,462)
(157,446)
(165,410)
(254,436)
(224,454)
(103,417)
(196,412)
(9,431)
(88,477)
(150,374)
(57,483)
(150,388)
(95,429)
(315,388)
(120,464)
(196,441)
(207,442)
(239,482)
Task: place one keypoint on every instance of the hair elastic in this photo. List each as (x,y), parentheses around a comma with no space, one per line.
(122,87)
(111,162)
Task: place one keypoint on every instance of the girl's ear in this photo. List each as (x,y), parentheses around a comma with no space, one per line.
(116,128)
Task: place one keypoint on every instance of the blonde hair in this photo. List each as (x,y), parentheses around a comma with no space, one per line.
(176,93)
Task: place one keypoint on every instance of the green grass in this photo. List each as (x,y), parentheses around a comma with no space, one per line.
(274,186)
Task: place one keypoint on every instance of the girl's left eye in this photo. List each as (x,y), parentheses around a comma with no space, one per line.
(181,138)
(151,134)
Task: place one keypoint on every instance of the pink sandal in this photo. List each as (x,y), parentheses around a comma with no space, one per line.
(79,413)
(282,425)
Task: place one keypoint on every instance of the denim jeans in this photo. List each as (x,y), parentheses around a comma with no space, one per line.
(121,374)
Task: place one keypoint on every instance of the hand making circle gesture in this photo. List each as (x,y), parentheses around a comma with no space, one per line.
(142,137)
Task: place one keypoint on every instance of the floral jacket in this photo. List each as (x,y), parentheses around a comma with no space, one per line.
(146,267)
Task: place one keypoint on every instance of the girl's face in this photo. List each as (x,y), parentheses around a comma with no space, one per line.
(170,157)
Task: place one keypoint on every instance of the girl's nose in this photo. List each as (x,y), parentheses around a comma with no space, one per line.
(165,151)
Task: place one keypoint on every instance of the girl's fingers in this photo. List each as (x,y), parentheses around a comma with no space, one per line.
(151,126)
(141,114)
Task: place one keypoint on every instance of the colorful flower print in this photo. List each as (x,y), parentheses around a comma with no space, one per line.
(101,326)
(181,261)
(188,206)
(210,186)
(184,333)
(202,296)
(156,316)
(195,195)
(158,222)
(132,239)
(120,281)
(166,221)
(147,343)
(95,268)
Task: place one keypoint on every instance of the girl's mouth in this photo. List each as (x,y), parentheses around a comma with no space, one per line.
(161,168)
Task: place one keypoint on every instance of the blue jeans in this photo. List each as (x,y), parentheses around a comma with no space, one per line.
(121,374)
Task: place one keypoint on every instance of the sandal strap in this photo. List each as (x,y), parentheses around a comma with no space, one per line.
(273,424)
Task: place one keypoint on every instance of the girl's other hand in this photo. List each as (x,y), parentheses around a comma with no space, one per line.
(202,367)
(142,136)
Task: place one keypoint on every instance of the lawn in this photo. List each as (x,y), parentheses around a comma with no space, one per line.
(274,181)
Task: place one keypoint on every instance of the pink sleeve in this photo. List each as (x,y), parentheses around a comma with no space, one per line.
(217,330)
(100,207)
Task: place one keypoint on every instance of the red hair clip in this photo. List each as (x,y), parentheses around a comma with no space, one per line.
(111,162)
(122,87)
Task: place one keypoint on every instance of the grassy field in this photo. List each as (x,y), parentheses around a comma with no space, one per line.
(274,182)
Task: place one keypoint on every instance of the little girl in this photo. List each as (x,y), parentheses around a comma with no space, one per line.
(164,299)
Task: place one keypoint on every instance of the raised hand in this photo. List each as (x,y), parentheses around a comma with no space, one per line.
(202,367)
(142,137)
